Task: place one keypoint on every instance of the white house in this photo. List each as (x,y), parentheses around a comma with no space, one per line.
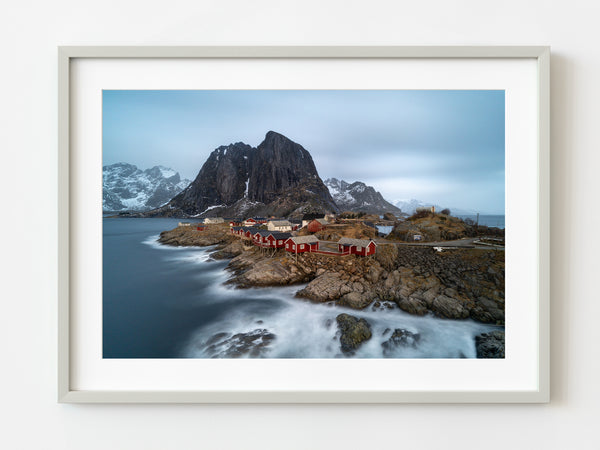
(279,225)
(427,209)
(214,220)
(307,218)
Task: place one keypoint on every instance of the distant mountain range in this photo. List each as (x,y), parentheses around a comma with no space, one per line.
(278,177)
(358,197)
(127,188)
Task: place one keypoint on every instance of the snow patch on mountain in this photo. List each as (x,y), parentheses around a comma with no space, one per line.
(127,188)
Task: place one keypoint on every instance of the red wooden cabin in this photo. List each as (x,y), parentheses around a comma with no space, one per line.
(360,247)
(276,239)
(316,225)
(302,244)
(248,232)
(237,230)
(250,222)
(260,238)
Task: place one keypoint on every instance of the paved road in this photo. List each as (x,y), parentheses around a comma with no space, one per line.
(458,243)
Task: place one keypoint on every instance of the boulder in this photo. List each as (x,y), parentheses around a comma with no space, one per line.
(327,287)
(229,251)
(400,338)
(254,344)
(490,345)
(355,300)
(252,269)
(354,332)
(449,308)
(374,273)
(480,315)
(413,305)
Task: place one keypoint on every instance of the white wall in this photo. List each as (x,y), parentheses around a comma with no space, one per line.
(29,34)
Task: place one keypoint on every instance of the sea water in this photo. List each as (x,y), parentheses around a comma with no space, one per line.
(489,220)
(171,302)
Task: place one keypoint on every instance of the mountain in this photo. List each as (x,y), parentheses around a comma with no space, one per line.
(127,188)
(278,177)
(358,197)
(410,206)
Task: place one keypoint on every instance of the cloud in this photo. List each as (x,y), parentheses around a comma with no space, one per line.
(438,144)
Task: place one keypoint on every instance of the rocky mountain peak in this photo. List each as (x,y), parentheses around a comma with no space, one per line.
(279,164)
(358,197)
(277,177)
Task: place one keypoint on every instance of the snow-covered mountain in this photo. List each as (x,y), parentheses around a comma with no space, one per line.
(127,188)
(358,197)
(410,206)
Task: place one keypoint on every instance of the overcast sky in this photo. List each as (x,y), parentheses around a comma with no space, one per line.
(443,147)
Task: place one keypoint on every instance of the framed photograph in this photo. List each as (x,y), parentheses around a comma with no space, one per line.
(303,224)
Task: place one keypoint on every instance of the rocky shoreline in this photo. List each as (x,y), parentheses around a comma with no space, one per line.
(453,284)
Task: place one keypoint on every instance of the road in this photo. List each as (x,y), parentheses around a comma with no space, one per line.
(458,243)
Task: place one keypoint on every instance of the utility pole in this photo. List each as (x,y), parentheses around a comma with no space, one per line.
(477,223)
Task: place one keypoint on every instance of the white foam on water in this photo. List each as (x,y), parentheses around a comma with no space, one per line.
(193,257)
(304,329)
(152,241)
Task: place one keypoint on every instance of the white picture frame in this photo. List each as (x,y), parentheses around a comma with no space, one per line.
(68,394)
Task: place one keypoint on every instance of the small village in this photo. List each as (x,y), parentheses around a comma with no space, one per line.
(345,259)
(275,234)
(429,264)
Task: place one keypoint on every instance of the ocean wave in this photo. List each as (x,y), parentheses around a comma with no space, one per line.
(303,329)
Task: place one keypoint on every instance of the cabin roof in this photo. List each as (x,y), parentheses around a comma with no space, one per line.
(356,242)
(280,223)
(305,239)
(280,235)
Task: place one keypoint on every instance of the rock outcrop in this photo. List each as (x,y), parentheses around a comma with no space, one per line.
(353,332)
(220,182)
(278,178)
(400,339)
(490,345)
(252,268)
(455,284)
(254,344)
(191,237)
(438,227)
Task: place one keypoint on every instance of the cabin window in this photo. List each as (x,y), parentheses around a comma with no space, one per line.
(301,246)
(359,249)
(279,242)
